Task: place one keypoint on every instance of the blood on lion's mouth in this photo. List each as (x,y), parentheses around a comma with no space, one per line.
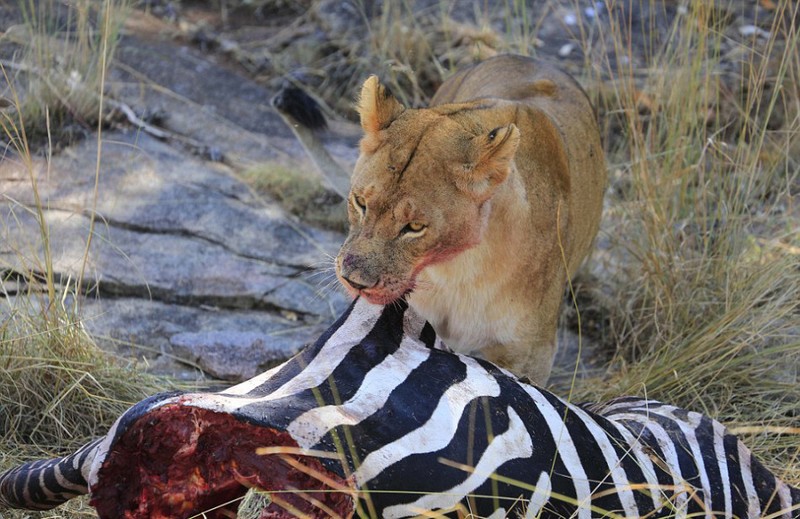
(381,295)
(376,297)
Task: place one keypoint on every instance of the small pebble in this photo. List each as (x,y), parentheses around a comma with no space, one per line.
(566,49)
(750,30)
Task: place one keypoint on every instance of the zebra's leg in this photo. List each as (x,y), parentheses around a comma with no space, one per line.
(45,484)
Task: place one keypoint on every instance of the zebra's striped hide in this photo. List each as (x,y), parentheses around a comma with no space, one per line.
(377,418)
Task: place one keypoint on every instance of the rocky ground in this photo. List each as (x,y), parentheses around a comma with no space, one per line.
(188,265)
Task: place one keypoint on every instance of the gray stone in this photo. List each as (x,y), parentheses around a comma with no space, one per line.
(148,187)
(178,246)
(210,109)
(234,355)
(142,330)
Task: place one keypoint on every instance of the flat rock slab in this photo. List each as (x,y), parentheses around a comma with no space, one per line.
(206,102)
(233,355)
(186,341)
(173,236)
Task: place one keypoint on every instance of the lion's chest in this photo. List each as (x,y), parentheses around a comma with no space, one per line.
(468,308)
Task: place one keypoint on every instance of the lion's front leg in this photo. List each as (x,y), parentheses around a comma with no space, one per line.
(528,351)
(534,362)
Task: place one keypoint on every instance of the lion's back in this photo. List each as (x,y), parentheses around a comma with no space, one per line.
(543,89)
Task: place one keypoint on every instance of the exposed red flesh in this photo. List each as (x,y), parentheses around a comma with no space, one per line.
(178,461)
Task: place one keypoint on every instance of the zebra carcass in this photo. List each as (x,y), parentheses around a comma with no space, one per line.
(378,419)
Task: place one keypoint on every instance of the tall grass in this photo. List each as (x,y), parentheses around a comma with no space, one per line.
(62,52)
(57,388)
(701,286)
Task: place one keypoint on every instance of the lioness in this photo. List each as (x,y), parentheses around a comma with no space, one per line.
(478,207)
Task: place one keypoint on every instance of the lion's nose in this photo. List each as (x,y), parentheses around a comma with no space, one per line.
(355,284)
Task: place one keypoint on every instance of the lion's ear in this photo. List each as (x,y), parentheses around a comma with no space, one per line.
(376,106)
(494,152)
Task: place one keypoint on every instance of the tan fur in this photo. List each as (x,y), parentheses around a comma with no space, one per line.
(480,206)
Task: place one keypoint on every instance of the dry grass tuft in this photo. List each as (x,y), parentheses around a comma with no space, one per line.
(299,192)
(61,51)
(58,390)
(699,283)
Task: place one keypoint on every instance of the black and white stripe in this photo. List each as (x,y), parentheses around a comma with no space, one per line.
(416,428)
(45,484)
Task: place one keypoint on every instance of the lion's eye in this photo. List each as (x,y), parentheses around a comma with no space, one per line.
(360,204)
(414,228)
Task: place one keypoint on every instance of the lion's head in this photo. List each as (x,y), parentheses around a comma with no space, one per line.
(421,190)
